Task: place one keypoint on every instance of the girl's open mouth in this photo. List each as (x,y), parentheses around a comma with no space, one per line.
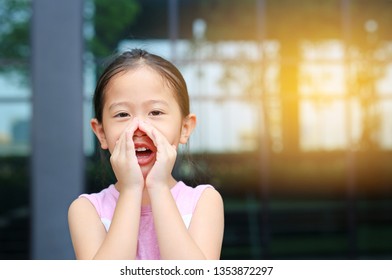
(144,155)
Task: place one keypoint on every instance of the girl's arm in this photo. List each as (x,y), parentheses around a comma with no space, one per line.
(203,239)
(89,237)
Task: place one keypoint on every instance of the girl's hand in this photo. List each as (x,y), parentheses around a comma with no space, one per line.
(160,174)
(124,161)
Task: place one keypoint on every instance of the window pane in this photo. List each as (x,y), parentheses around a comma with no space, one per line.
(15,124)
(385,129)
(14,86)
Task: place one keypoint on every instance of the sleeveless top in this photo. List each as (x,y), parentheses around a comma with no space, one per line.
(185,197)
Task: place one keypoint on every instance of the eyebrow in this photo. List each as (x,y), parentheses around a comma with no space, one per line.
(129,104)
(156,101)
(118,104)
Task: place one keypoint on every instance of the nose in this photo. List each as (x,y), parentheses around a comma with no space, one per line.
(138,133)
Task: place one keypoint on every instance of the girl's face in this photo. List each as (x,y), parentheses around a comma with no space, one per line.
(141,93)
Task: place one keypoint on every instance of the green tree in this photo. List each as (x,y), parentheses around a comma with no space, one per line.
(14,35)
(110,22)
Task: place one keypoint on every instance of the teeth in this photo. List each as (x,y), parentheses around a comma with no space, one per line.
(142,149)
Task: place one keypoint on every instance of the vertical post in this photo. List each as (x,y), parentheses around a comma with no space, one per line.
(57,154)
(264,138)
(350,154)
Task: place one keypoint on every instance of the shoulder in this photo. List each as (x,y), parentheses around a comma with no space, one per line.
(187,198)
(109,193)
(85,226)
(210,203)
(206,196)
(80,202)
(82,214)
(182,188)
(94,201)
(211,197)
(104,201)
(199,190)
(80,206)
(208,192)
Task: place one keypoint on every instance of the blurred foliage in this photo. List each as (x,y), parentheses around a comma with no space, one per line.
(109,27)
(14,35)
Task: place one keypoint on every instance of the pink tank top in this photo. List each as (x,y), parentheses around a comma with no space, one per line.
(185,197)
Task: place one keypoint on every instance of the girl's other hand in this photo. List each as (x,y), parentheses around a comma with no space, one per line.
(124,161)
(160,174)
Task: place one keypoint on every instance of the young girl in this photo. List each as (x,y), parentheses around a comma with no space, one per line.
(141,116)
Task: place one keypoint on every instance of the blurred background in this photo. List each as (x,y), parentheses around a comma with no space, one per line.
(294,106)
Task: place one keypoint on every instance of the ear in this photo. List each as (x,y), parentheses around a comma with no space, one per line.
(188,125)
(97,127)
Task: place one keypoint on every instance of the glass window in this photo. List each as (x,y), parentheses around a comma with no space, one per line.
(15,129)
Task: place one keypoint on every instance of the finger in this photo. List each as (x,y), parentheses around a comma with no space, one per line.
(159,140)
(129,144)
(146,127)
(165,151)
(114,157)
(119,151)
(121,144)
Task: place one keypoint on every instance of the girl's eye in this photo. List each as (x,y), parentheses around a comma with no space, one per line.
(156,113)
(122,115)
